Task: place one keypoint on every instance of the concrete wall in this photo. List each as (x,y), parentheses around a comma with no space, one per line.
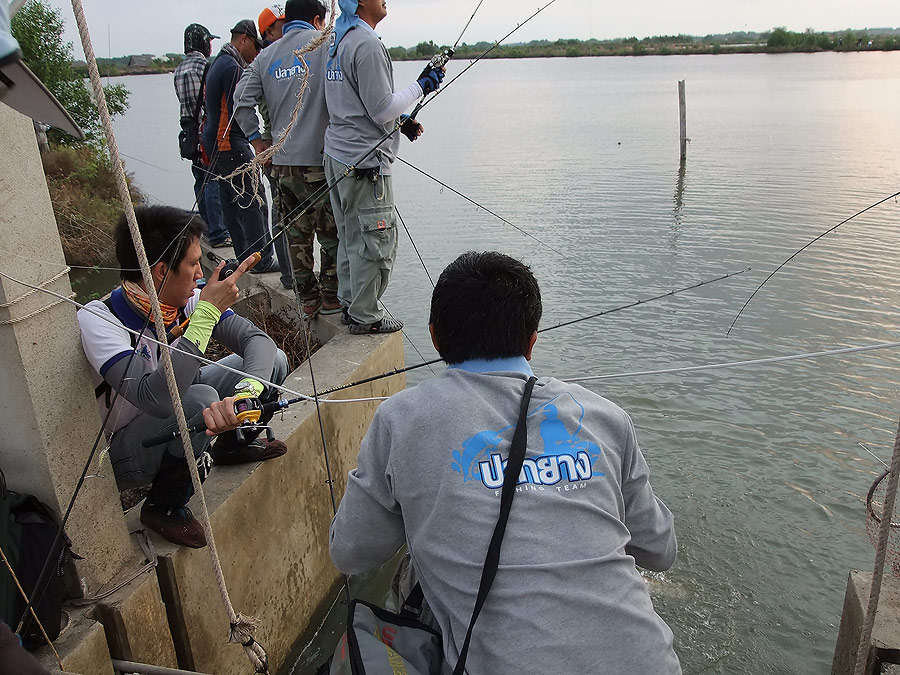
(885,633)
(50,418)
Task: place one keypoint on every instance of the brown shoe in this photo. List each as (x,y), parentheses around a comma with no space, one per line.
(177,524)
(330,305)
(311,307)
(257,451)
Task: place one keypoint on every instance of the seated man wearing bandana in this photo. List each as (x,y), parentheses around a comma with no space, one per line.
(132,392)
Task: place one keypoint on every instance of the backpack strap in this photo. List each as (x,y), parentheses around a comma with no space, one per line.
(202,93)
(510,478)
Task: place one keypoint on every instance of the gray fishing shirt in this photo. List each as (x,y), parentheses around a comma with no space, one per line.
(359,84)
(275,78)
(567,597)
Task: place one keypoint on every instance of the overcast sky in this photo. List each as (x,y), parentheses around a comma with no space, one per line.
(156,27)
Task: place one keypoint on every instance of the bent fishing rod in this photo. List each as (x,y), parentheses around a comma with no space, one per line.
(311,201)
(644,301)
(803,248)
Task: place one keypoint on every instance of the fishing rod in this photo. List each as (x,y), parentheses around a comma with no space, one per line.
(483,208)
(400,371)
(440,60)
(803,248)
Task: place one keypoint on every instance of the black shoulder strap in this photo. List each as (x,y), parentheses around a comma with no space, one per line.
(202,93)
(510,478)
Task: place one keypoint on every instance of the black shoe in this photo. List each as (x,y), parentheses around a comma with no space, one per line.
(257,451)
(384,325)
(176,524)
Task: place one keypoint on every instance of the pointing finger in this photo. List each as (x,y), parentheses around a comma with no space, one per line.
(248,264)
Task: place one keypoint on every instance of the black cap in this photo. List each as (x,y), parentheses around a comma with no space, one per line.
(248,28)
(196,39)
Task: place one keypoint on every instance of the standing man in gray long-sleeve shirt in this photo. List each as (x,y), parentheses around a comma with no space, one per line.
(362,108)
(567,597)
(276,77)
(130,364)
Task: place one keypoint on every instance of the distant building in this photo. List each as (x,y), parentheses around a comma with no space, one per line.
(142,62)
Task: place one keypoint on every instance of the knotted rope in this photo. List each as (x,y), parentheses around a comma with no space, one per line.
(262,159)
(241,627)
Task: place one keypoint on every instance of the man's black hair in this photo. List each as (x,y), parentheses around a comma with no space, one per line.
(484,306)
(304,10)
(166,232)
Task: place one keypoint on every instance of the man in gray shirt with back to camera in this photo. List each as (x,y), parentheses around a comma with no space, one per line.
(362,108)
(567,596)
(276,77)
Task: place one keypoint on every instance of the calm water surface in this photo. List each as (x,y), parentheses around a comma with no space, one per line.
(761,466)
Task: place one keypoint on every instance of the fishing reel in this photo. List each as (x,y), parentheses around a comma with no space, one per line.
(440,59)
(247,408)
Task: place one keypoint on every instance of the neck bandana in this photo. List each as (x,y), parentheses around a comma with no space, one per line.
(139,298)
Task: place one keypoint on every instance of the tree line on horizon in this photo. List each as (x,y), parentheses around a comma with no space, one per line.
(778,40)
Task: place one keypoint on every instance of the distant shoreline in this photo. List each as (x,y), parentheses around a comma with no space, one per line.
(777,41)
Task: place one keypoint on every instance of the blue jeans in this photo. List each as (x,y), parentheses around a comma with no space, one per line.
(209,204)
(245,216)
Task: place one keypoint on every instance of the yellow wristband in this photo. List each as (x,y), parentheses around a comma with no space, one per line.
(203,319)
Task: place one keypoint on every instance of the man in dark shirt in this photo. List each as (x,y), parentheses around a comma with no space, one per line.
(226,148)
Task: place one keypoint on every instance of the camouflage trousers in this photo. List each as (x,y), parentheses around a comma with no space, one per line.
(295,185)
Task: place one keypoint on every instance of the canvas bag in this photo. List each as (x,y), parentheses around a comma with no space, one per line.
(379,642)
(28,529)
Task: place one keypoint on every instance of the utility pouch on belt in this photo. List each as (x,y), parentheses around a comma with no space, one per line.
(380,642)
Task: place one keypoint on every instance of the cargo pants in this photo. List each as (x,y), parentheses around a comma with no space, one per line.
(295,185)
(367,232)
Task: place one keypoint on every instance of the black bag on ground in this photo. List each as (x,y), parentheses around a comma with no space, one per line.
(28,529)
(379,642)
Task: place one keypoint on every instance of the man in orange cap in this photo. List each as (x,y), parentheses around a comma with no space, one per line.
(271,21)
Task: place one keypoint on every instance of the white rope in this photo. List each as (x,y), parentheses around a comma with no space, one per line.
(10,322)
(884,532)
(241,627)
(35,289)
(201,359)
(738,364)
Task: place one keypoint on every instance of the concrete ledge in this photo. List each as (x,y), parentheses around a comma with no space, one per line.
(885,634)
(82,647)
(134,619)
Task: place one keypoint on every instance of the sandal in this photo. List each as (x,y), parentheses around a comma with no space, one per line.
(385,325)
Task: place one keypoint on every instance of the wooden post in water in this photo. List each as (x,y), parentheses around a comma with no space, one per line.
(682,113)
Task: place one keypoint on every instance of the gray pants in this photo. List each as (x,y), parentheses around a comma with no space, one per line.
(367,240)
(135,465)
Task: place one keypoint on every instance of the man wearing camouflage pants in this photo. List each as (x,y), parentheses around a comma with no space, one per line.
(276,77)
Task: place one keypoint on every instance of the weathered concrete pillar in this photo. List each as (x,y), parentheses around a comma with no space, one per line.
(885,645)
(49,417)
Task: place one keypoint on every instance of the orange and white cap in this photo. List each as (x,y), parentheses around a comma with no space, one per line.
(268,16)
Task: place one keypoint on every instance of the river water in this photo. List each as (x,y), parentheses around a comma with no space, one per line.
(760,465)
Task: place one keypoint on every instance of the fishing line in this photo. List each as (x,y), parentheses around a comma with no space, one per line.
(739,364)
(398,371)
(803,248)
(413,344)
(312,376)
(483,208)
(416,248)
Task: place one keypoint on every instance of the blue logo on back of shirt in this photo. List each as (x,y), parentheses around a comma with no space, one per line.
(279,72)
(565,457)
